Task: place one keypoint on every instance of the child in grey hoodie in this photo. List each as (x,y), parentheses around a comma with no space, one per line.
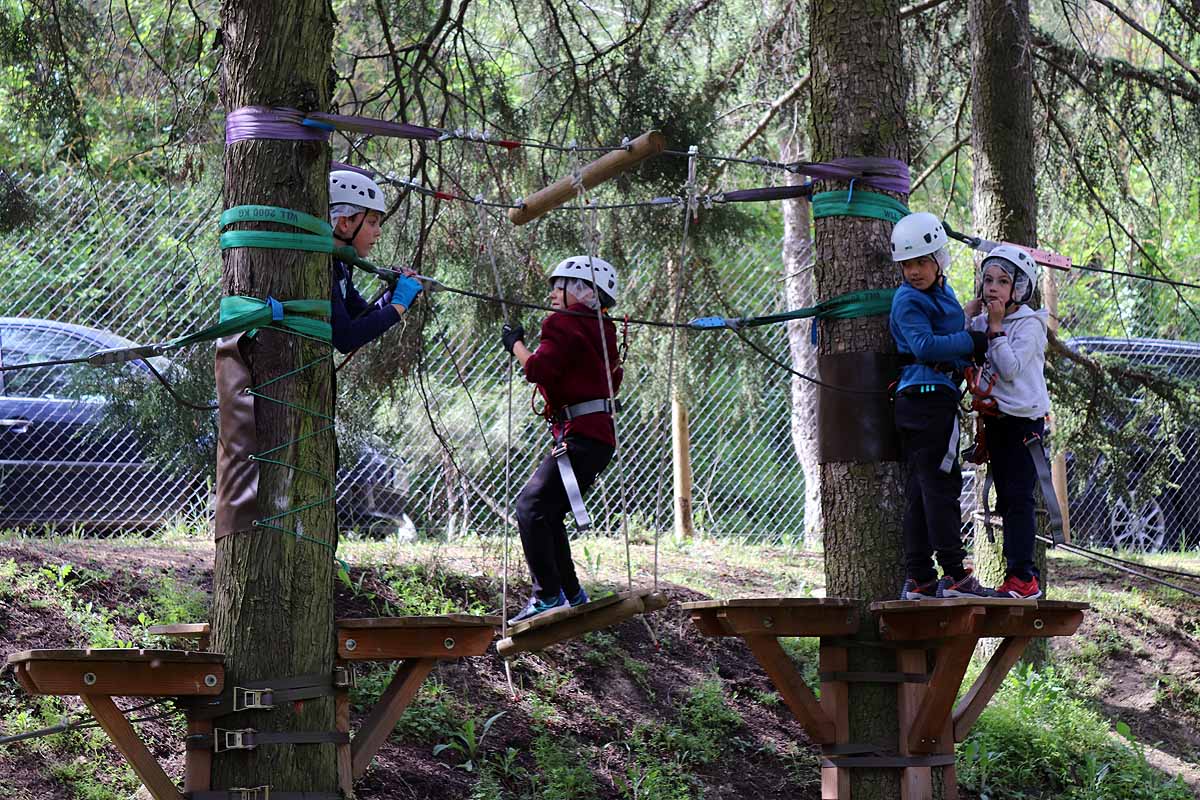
(1014,417)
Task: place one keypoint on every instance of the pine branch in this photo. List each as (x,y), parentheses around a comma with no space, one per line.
(1062,57)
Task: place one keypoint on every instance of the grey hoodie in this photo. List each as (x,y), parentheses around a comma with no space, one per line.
(1017,361)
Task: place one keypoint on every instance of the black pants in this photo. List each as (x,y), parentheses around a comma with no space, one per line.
(541,507)
(1015,478)
(932,520)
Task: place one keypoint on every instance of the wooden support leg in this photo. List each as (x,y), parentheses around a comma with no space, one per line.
(792,688)
(197,771)
(916,783)
(949,772)
(126,739)
(386,713)
(345,762)
(835,783)
(974,701)
(952,660)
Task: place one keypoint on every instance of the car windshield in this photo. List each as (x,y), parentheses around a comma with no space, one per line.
(27,344)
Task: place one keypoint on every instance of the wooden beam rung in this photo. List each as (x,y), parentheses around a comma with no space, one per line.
(382,720)
(949,667)
(980,694)
(126,739)
(790,621)
(791,687)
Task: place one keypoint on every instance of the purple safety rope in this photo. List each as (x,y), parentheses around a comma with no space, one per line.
(262,122)
(765,193)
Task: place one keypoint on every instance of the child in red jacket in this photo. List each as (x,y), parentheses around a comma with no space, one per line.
(579,374)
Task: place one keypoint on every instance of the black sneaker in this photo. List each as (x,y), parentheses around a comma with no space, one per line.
(966,586)
(580,598)
(914,590)
(536,607)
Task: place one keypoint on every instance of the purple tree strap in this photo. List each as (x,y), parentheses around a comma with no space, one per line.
(887,174)
(766,193)
(334,165)
(261,122)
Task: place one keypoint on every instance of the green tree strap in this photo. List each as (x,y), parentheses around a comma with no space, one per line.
(247,314)
(858,204)
(280,216)
(318,240)
(865,303)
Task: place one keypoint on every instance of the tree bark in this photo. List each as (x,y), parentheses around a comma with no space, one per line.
(1004,200)
(272,593)
(859,93)
(799,292)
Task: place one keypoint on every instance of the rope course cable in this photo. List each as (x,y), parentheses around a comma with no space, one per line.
(1119,564)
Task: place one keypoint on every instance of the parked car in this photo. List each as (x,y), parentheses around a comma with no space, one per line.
(1159,521)
(61,466)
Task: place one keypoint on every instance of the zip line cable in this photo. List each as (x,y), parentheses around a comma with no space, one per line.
(1100,558)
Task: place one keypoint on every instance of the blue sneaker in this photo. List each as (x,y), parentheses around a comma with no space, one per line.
(536,607)
(580,598)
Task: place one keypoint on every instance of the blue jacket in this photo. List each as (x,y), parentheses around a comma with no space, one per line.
(930,326)
(354,322)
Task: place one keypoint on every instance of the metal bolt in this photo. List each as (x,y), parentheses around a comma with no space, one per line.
(351,644)
(210,681)
(449,643)
(89,678)
(1038,624)
(768,623)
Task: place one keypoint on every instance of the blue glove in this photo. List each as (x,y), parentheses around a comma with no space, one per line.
(406,291)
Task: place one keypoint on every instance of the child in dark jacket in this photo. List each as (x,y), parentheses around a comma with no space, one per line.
(928,325)
(1014,416)
(356,206)
(578,373)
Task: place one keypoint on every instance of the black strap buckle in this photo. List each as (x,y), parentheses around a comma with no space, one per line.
(344,677)
(255,793)
(232,739)
(252,699)
(559,450)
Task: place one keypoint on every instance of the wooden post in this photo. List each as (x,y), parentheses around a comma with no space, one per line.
(681,467)
(1058,466)
(606,167)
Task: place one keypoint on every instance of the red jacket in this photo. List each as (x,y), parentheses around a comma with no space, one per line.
(568,367)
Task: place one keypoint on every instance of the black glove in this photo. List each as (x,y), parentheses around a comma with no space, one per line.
(980,340)
(510,334)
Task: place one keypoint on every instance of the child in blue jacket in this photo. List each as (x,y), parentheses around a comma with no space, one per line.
(928,325)
(356,207)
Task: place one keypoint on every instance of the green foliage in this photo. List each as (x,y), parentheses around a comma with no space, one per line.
(1036,739)
(561,773)
(468,740)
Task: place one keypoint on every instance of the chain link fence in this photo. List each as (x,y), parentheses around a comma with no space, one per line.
(106,263)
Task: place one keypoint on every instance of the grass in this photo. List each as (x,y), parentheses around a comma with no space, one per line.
(1039,739)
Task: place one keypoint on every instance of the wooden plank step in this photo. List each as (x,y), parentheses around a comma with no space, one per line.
(773,602)
(574,622)
(400,638)
(118,672)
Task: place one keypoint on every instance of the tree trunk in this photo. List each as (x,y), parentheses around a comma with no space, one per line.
(273,593)
(1004,205)
(858,109)
(799,293)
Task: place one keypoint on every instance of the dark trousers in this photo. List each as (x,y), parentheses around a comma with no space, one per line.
(1015,477)
(541,508)
(932,520)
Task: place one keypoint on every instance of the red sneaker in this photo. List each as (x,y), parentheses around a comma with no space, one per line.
(1022,590)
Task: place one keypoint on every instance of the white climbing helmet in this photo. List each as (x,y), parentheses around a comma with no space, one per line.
(1018,264)
(920,234)
(355,188)
(582,266)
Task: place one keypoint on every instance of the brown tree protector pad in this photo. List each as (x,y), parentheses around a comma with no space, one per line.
(237,475)
(856,426)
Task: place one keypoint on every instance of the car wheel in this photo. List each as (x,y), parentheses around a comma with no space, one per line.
(1142,528)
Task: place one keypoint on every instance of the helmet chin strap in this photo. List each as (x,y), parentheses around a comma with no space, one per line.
(362,217)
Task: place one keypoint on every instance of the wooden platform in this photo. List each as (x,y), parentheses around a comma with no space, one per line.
(99,675)
(560,625)
(397,638)
(119,673)
(933,641)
